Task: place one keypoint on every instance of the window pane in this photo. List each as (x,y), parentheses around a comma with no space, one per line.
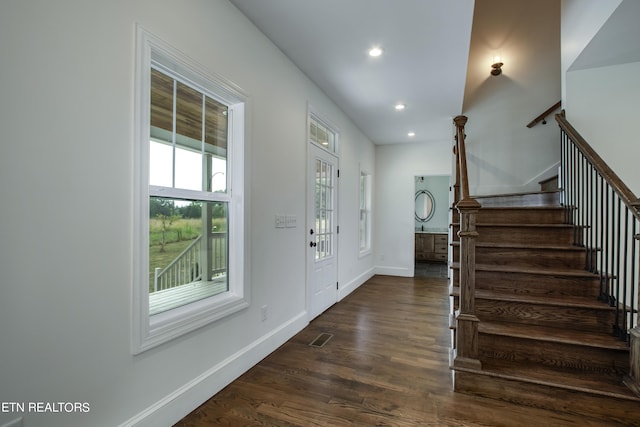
(160,164)
(215,147)
(188,168)
(216,115)
(218,175)
(321,135)
(187,252)
(313,131)
(188,112)
(162,103)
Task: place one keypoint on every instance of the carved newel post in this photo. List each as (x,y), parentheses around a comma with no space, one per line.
(633,379)
(466,352)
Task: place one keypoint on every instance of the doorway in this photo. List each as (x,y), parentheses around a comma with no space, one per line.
(431,225)
(322,241)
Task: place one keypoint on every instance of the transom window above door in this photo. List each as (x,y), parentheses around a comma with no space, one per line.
(321,134)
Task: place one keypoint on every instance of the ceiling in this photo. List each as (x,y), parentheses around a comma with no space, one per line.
(425,47)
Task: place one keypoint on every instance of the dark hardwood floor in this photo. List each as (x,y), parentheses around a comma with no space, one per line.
(386,364)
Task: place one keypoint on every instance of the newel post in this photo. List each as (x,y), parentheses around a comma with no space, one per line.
(466,351)
(633,379)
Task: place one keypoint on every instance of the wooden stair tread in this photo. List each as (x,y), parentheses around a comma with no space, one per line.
(524,193)
(523,225)
(564,301)
(558,335)
(584,381)
(514,208)
(534,246)
(546,272)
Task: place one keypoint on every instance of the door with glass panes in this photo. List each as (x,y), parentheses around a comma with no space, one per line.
(322,268)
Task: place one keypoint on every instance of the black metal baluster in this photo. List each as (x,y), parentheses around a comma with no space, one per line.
(591,222)
(634,307)
(605,248)
(602,227)
(574,192)
(563,186)
(625,274)
(615,301)
(583,202)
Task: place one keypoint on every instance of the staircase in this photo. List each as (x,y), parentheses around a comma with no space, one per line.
(544,337)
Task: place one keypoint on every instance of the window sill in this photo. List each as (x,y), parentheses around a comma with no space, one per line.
(169,299)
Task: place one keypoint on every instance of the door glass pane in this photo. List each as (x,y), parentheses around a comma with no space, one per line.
(324,210)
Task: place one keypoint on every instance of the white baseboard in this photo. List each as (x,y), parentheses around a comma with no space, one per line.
(182,401)
(394,271)
(549,172)
(355,283)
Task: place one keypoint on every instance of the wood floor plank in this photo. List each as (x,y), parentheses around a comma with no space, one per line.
(386,365)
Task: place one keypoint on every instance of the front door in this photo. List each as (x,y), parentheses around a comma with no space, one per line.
(322,241)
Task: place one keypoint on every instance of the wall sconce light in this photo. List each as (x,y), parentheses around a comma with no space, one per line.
(496,67)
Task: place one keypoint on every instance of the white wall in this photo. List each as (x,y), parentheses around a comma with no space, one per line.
(503,155)
(394,225)
(66,170)
(355,156)
(602,102)
(581,20)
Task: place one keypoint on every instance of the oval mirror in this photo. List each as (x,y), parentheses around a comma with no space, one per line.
(425,205)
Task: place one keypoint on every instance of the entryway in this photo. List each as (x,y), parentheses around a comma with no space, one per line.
(322,241)
(431,222)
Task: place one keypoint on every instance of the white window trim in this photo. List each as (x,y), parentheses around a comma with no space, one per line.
(151,331)
(369,191)
(313,113)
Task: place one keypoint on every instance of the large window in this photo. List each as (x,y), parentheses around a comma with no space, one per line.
(189,211)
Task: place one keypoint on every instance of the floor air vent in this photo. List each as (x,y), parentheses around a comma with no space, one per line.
(321,340)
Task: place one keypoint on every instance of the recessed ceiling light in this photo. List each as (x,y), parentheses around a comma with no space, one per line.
(411,134)
(400,106)
(375,51)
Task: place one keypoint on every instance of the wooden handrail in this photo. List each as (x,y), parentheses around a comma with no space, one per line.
(543,116)
(625,194)
(466,349)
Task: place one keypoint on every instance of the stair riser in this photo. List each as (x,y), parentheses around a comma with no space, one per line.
(534,284)
(547,397)
(516,216)
(533,199)
(527,257)
(549,184)
(553,354)
(523,234)
(577,318)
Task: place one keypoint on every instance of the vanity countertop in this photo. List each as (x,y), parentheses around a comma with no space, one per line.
(432,231)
